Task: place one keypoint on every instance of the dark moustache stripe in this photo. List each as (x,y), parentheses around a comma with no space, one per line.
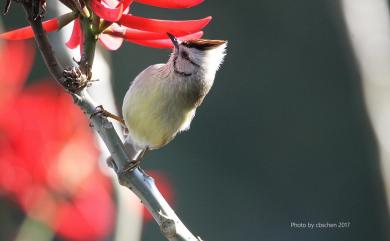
(179,72)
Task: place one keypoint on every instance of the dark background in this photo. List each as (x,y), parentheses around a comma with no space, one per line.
(282,137)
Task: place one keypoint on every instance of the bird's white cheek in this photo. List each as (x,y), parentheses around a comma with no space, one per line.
(210,76)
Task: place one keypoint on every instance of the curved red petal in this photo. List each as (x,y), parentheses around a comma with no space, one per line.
(165,43)
(27,32)
(164,26)
(129,33)
(110,42)
(145,35)
(171,3)
(74,39)
(109,14)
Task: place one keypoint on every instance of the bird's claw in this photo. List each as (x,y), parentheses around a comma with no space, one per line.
(98,110)
(101,111)
(130,167)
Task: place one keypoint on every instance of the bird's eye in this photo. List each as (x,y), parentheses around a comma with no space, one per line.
(184,55)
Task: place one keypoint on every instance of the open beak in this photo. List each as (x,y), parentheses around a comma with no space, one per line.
(174,40)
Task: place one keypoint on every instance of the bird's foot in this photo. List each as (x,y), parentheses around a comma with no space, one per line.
(135,163)
(130,167)
(99,110)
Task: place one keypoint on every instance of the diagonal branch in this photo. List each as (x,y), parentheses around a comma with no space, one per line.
(44,46)
(135,179)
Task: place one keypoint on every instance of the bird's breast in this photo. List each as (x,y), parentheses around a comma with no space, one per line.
(156,109)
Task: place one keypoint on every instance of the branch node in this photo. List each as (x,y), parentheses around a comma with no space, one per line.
(74,79)
(77,99)
(111,163)
(168,226)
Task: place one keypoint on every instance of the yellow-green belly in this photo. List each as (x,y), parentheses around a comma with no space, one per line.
(155,117)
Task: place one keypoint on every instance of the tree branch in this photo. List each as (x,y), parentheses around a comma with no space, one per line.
(135,179)
(44,46)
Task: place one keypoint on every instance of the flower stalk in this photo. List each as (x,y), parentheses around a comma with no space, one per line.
(88,48)
(135,179)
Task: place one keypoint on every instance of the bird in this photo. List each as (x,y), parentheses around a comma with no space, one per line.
(162,100)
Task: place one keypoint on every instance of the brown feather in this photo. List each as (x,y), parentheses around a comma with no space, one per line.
(203,44)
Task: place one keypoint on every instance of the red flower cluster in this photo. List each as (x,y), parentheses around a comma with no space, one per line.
(116,25)
(48,156)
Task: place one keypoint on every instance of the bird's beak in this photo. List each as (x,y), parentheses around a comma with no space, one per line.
(174,40)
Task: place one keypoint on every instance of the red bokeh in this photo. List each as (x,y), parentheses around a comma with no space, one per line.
(48,154)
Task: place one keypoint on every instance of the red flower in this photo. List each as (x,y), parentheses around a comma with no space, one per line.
(117,25)
(48,155)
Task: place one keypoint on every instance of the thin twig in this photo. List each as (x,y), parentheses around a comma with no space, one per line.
(68,3)
(44,46)
(135,179)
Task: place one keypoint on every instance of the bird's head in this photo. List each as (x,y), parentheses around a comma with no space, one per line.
(193,55)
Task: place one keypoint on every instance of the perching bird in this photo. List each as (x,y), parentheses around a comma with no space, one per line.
(163,98)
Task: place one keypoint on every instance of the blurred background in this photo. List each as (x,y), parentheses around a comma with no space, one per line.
(294,130)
